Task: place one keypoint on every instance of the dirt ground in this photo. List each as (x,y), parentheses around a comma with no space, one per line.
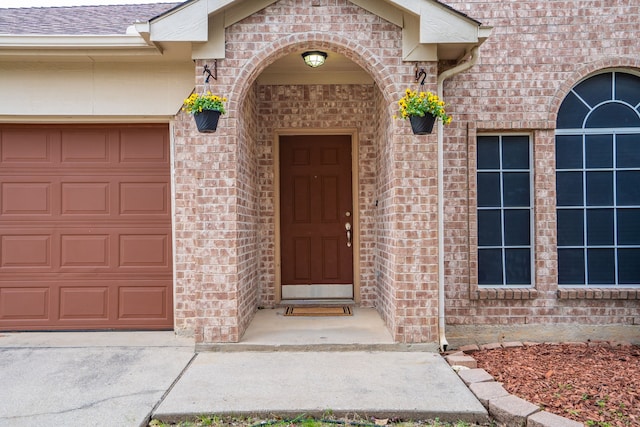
(593,383)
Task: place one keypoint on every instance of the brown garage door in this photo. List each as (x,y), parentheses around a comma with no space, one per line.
(85,228)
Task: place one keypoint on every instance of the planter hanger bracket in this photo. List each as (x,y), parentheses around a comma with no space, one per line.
(422,73)
(207,71)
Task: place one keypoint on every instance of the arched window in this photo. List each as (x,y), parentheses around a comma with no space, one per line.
(598,182)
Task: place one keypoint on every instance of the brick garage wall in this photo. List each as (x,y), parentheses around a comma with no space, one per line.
(186,143)
(230,269)
(536,53)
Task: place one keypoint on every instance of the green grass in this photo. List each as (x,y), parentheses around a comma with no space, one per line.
(302,421)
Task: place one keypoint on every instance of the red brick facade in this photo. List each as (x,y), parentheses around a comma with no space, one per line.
(224,182)
(537,52)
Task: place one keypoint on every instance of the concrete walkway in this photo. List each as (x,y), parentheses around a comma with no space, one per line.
(87,379)
(410,385)
(304,365)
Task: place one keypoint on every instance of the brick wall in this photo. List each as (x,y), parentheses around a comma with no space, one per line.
(225,255)
(232,270)
(536,53)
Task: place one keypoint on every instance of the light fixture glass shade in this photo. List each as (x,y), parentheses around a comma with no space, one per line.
(314,58)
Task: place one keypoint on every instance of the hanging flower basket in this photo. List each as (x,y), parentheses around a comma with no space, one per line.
(206,110)
(422,125)
(422,109)
(207,120)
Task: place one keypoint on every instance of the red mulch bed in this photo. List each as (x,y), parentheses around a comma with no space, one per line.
(595,384)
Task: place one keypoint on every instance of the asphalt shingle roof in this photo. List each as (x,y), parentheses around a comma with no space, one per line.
(79,20)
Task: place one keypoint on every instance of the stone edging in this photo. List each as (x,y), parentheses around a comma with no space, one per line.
(505,408)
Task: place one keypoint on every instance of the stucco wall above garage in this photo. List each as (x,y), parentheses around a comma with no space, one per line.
(89,62)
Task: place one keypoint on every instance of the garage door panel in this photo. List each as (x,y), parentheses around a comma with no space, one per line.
(138,302)
(85,227)
(150,147)
(26,198)
(87,198)
(25,251)
(25,146)
(18,303)
(85,146)
(88,251)
(144,250)
(83,302)
(144,198)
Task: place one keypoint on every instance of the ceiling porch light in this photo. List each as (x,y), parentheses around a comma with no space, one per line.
(314,58)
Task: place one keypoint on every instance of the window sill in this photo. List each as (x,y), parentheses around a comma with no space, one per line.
(594,293)
(506,293)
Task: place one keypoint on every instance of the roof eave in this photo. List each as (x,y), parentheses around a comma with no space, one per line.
(432,30)
(70,45)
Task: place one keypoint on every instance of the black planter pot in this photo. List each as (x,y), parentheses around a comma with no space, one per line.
(207,121)
(422,125)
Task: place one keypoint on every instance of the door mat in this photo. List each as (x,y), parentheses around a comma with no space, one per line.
(339,310)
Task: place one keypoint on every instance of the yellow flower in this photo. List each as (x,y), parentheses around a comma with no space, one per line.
(419,103)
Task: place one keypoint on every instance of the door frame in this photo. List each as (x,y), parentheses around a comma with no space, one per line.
(355,179)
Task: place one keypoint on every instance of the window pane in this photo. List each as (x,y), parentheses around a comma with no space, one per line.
(599,227)
(601,266)
(599,188)
(571,113)
(489,266)
(629,266)
(489,228)
(570,267)
(516,189)
(613,116)
(628,151)
(570,227)
(489,189)
(627,88)
(488,152)
(568,152)
(569,188)
(515,152)
(518,263)
(517,227)
(628,188)
(596,89)
(629,227)
(599,151)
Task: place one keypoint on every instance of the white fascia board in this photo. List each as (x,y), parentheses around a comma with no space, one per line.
(72,42)
(185,24)
(442,25)
(72,45)
(189,23)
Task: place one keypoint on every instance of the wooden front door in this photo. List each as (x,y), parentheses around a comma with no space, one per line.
(316,209)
